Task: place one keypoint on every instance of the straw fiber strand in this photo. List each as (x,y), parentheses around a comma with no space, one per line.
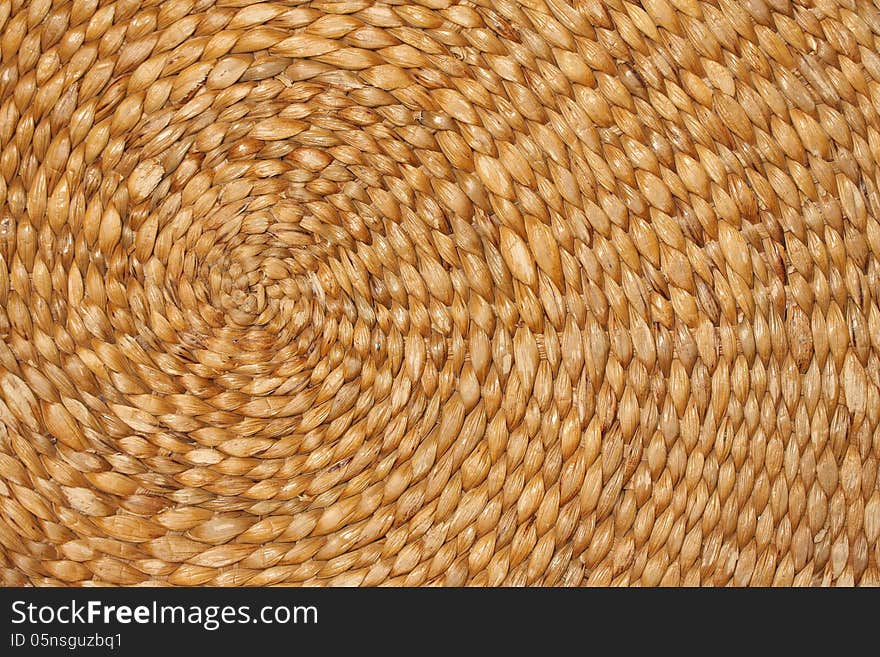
(499,292)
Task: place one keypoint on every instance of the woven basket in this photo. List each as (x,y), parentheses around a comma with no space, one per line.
(499,292)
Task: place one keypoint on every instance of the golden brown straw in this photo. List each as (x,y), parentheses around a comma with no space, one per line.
(496,292)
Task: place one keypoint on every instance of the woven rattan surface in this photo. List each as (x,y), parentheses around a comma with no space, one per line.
(499,292)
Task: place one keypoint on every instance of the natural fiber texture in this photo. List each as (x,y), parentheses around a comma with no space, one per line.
(498,292)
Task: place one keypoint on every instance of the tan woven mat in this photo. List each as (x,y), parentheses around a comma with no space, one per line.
(498,292)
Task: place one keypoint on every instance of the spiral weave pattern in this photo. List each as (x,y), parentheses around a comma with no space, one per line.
(494,292)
